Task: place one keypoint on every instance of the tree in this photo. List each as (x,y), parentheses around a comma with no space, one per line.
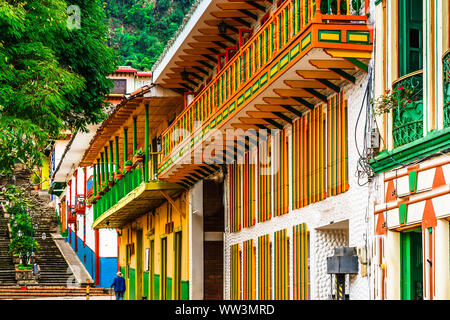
(51,77)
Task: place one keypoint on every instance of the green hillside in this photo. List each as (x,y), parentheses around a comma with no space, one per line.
(140,29)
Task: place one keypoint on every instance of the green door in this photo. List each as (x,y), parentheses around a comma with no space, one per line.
(410,35)
(139,272)
(163,280)
(411,265)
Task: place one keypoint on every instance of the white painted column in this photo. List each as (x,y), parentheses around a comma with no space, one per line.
(392,253)
(196,242)
(442,260)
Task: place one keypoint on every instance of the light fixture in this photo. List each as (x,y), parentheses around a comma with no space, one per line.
(222,26)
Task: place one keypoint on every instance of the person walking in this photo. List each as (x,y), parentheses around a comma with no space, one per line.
(36,271)
(119,286)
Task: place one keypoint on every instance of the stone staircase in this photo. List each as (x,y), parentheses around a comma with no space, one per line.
(55,271)
(36,292)
(7,273)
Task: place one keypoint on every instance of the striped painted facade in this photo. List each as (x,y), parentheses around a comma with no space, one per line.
(281,177)
(235,273)
(264,181)
(235,197)
(320,153)
(264,268)
(249,270)
(300,263)
(281,259)
(249,191)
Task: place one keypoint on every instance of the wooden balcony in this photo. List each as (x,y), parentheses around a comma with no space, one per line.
(305,52)
(130,197)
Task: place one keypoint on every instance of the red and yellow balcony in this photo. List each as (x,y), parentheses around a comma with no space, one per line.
(306,51)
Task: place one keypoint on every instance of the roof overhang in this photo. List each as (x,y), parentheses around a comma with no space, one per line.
(73,153)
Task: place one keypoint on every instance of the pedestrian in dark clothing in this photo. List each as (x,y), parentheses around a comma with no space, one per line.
(119,286)
(36,271)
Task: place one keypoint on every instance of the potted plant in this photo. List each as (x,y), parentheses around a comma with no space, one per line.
(128,165)
(391,99)
(105,187)
(138,156)
(36,181)
(111,182)
(118,174)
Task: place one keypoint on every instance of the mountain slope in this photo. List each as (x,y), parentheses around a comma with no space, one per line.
(140,29)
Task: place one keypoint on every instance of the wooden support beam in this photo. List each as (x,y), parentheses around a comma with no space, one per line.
(344,74)
(317,94)
(301,84)
(330,85)
(293,110)
(327,64)
(316,74)
(293,93)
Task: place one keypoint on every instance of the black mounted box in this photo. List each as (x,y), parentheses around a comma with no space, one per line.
(344,261)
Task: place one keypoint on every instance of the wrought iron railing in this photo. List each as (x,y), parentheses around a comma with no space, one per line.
(407,119)
(446,84)
(276,34)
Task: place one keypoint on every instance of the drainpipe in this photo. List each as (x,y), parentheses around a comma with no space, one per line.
(76,200)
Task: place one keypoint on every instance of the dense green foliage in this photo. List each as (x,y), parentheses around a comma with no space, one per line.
(140,29)
(52,77)
(18,207)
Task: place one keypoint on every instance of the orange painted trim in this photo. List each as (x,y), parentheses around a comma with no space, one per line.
(442,193)
(431,166)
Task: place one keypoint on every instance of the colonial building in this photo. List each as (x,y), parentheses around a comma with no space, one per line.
(96,249)
(411,187)
(148,214)
(266,144)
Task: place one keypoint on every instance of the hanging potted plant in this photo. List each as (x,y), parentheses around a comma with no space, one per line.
(128,165)
(138,156)
(391,99)
(111,182)
(118,174)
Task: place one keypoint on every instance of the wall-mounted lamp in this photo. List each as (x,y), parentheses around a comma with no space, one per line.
(222,26)
(184,75)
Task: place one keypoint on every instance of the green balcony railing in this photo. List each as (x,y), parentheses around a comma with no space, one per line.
(130,181)
(408,120)
(446,84)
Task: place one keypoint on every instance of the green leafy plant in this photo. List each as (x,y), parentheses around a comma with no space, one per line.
(139,152)
(35,179)
(128,163)
(391,99)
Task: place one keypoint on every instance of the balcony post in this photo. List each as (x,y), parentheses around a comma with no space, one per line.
(111,160)
(317,14)
(146,145)
(116,151)
(134,135)
(125,145)
(94,181)
(102,169)
(105,164)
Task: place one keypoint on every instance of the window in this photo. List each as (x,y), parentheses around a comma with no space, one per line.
(120,86)
(410,34)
